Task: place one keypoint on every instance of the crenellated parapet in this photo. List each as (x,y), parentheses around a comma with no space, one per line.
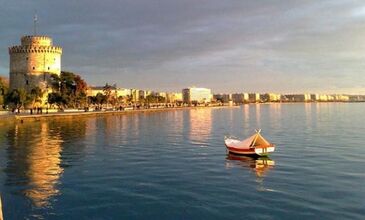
(35,49)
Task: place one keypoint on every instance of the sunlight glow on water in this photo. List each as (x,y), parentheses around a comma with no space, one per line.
(173,165)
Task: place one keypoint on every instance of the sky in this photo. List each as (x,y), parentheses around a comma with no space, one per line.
(283,46)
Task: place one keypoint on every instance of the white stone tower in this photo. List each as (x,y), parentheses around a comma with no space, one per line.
(33,62)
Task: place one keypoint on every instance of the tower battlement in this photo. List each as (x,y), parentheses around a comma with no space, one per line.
(35,49)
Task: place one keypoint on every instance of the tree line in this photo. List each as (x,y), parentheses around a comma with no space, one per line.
(67,90)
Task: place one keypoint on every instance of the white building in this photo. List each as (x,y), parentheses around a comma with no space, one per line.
(273,97)
(121,92)
(115,92)
(197,95)
(174,97)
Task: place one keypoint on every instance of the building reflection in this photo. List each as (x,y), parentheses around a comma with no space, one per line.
(308,114)
(200,125)
(258,115)
(34,158)
(260,165)
(246,117)
(275,115)
(36,163)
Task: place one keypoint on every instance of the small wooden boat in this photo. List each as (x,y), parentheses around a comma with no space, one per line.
(254,145)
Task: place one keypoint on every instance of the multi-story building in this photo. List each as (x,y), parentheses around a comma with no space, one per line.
(94,90)
(298,98)
(135,95)
(307,97)
(116,92)
(174,97)
(357,98)
(148,92)
(238,98)
(254,97)
(341,98)
(324,98)
(273,97)
(142,94)
(264,97)
(222,98)
(122,92)
(246,97)
(195,95)
(162,94)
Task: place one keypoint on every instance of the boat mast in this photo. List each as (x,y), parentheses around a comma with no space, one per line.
(257,134)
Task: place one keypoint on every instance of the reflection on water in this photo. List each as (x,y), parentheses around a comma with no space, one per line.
(151,166)
(260,165)
(200,125)
(36,163)
(258,115)
(34,159)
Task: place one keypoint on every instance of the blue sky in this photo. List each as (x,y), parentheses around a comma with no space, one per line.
(287,46)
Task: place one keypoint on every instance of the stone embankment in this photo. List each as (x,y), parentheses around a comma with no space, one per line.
(70,114)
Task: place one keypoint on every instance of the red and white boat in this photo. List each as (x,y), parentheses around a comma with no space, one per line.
(254,145)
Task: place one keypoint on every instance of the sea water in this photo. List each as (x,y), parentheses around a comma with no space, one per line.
(174,165)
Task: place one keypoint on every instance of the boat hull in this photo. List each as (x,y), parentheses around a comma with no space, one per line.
(253,145)
(261,151)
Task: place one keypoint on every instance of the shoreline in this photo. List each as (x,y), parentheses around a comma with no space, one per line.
(8,118)
(59,115)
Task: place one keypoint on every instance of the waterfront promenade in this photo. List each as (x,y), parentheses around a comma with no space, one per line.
(7,116)
(22,117)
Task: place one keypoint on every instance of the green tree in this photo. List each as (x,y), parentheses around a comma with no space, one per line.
(71,87)
(100,99)
(97,100)
(80,91)
(17,98)
(35,96)
(55,98)
(155,99)
(129,98)
(4,87)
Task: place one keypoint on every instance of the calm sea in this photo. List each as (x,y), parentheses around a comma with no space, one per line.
(173,165)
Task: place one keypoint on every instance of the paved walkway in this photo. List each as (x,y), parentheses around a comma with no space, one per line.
(27,117)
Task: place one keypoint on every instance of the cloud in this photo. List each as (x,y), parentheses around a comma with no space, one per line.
(280,46)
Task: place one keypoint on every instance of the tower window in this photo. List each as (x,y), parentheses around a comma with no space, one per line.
(26,58)
(48,68)
(33,68)
(27,82)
